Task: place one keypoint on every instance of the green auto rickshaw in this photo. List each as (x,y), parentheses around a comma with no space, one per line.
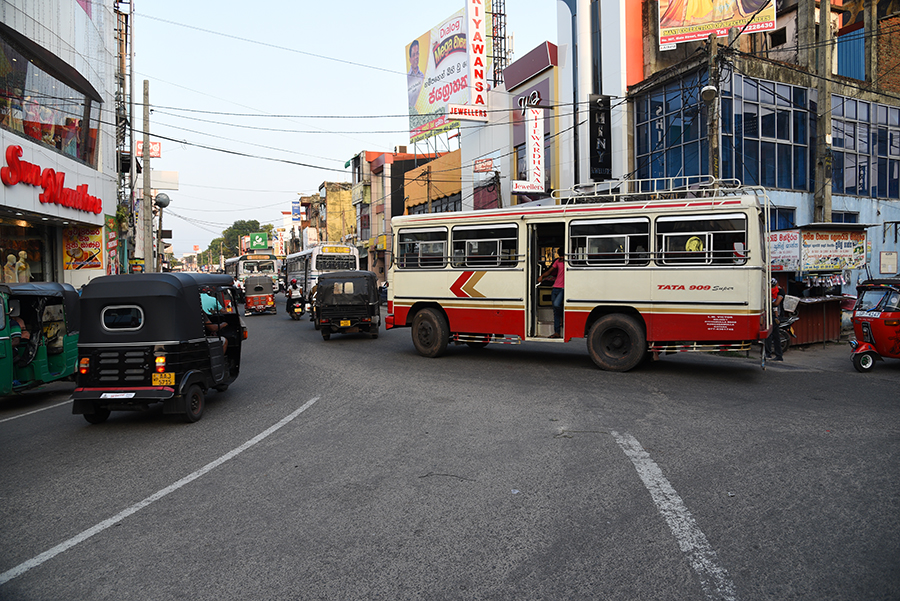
(39,323)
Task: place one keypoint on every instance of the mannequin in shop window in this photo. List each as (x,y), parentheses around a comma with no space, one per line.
(23,269)
(9,270)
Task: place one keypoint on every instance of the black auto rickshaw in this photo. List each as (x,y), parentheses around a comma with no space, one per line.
(39,323)
(259,295)
(156,338)
(347,301)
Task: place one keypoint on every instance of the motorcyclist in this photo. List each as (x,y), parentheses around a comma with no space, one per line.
(291,291)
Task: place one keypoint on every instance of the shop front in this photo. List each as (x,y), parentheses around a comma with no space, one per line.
(813,263)
(54,216)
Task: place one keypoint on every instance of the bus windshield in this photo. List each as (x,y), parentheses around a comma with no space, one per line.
(259,267)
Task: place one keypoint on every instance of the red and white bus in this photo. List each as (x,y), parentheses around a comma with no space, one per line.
(645,273)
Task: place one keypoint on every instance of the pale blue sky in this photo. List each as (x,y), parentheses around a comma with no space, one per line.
(298,59)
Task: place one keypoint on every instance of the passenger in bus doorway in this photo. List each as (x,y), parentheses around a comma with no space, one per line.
(557,271)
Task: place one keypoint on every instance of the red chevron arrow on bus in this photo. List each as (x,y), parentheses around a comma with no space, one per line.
(464,286)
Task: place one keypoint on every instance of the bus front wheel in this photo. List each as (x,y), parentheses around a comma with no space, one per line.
(616,342)
(430,333)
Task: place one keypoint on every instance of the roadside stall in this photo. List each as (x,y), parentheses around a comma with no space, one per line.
(812,263)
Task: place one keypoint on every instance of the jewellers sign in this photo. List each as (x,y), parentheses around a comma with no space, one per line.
(50,180)
(535,149)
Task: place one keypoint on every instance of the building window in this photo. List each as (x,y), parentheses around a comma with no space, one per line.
(844,217)
(782,219)
(40,107)
(670,133)
(767,134)
(440,205)
(866,148)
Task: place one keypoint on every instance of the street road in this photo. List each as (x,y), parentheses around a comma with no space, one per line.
(356,469)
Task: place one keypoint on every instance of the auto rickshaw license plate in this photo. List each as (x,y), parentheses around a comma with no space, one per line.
(345,323)
(164,379)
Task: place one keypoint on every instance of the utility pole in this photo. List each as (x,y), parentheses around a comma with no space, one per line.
(428,186)
(712,134)
(146,204)
(822,197)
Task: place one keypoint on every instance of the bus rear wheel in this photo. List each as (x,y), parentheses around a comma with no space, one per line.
(430,333)
(616,342)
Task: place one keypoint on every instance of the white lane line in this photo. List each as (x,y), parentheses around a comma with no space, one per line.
(701,556)
(35,411)
(79,538)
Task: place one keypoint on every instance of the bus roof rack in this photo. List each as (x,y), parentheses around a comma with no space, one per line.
(648,190)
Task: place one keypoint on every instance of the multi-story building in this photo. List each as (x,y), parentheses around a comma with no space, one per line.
(378,193)
(811,112)
(57,135)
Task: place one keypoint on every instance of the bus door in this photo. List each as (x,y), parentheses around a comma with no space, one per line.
(543,241)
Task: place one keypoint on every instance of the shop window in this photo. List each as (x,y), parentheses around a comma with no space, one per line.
(38,105)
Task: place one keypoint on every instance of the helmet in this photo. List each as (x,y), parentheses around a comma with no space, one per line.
(774,282)
(294,281)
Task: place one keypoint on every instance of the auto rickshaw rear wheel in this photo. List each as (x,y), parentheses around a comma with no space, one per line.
(99,416)
(864,362)
(194,403)
(326,335)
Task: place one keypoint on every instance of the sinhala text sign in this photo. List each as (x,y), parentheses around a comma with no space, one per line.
(832,251)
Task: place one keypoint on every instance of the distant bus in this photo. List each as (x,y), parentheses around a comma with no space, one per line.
(253,264)
(644,274)
(306,266)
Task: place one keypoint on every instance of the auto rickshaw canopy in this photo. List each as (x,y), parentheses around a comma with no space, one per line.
(347,288)
(35,290)
(169,303)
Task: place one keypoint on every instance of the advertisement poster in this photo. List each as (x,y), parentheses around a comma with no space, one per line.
(83,248)
(784,250)
(691,20)
(832,251)
(437,74)
(111,238)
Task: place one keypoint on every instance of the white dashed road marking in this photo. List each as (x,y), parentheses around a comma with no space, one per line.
(79,538)
(701,556)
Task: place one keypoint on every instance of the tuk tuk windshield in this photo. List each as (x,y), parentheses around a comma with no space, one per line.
(871,300)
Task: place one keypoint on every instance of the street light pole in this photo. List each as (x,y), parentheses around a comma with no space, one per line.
(146,207)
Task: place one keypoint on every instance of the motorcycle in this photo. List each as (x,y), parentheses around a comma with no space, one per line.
(785,331)
(295,305)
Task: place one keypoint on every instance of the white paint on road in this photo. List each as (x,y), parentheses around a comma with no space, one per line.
(693,543)
(65,546)
(35,411)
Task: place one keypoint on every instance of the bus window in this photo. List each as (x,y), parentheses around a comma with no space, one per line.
(485,246)
(422,248)
(600,242)
(699,240)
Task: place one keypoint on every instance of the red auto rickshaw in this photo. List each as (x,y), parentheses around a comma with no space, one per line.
(259,295)
(876,323)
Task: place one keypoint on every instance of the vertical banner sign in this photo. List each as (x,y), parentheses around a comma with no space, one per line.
(534,152)
(601,151)
(475,18)
(296,215)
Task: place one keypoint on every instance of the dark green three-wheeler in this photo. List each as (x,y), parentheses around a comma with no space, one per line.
(39,324)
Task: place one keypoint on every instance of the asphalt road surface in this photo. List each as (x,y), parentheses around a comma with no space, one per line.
(356,469)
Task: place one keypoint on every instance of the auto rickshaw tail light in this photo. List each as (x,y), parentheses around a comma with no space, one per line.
(84,365)
(892,322)
(160,364)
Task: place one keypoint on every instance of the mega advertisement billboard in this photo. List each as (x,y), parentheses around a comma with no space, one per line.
(437,74)
(691,20)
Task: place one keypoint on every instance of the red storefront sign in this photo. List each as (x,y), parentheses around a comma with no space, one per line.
(52,182)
